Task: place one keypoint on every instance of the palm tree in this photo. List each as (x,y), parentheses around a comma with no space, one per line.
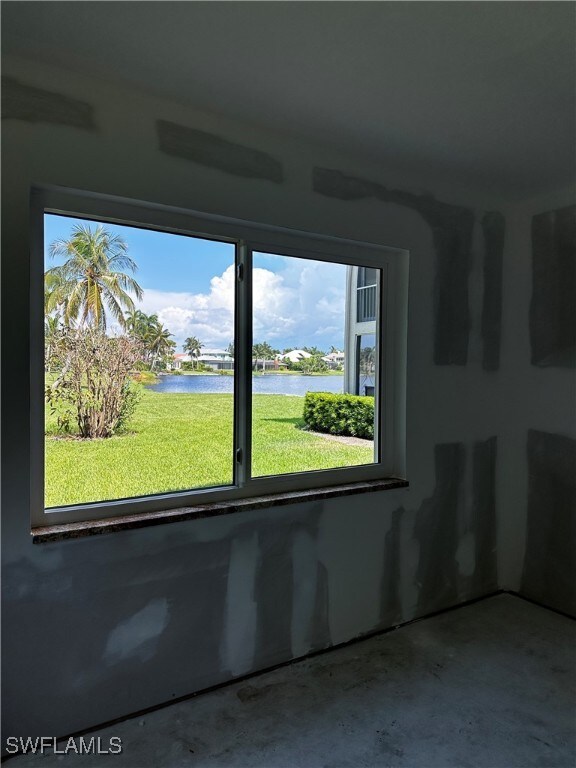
(314,351)
(92,279)
(262,351)
(137,323)
(159,342)
(192,346)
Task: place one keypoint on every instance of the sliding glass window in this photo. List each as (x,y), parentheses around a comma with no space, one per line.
(181,359)
(301,421)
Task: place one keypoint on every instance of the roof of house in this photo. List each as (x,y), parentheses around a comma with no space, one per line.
(219,352)
(295,355)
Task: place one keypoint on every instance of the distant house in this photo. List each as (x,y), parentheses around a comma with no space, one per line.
(259,364)
(294,356)
(177,361)
(217,359)
(360,338)
(334,359)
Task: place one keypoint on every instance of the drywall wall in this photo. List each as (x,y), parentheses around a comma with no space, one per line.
(552,308)
(98,628)
(537,462)
(215,152)
(40,105)
(550,558)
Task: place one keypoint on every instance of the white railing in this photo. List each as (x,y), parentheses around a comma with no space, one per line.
(366,303)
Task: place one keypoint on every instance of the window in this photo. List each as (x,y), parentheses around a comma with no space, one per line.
(366,364)
(172,352)
(366,300)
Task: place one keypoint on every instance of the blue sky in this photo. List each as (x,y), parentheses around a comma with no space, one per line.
(166,262)
(189,283)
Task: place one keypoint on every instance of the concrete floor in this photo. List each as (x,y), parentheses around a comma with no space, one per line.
(491,684)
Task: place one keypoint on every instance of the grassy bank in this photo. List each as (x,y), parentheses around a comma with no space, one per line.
(185,441)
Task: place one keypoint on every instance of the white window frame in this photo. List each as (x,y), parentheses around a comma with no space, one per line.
(249,237)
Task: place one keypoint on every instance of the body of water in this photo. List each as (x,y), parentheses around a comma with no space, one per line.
(268,384)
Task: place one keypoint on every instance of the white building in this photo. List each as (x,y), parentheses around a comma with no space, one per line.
(295,356)
(218,359)
(260,364)
(334,359)
(360,334)
(178,359)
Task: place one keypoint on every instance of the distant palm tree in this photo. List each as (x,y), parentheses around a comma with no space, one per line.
(137,324)
(159,342)
(314,351)
(262,351)
(192,346)
(92,279)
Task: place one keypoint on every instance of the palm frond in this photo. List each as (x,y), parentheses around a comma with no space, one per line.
(115,309)
(94,258)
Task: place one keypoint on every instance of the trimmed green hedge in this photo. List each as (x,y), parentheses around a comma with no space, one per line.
(339,414)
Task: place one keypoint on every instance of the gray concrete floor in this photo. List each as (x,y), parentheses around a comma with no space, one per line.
(490,684)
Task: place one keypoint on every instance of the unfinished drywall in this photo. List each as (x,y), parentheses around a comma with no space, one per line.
(550,559)
(536,400)
(437,577)
(484,520)
(452,228)
(553,305)
(494,232)
(214,151)
(453,233)
(458,521)
(39,105)
(98,628)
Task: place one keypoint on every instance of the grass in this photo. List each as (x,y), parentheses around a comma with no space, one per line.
(182,441)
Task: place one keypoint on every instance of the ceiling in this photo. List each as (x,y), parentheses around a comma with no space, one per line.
(482,92)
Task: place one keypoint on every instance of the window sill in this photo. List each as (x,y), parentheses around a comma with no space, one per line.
(143,520)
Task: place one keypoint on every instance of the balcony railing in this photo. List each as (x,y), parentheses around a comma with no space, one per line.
(366,303)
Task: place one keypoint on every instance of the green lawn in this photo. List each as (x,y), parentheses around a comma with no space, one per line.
(181,441)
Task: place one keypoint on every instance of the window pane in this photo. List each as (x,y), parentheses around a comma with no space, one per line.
(304,341)
(366,295)
(366,276)
(366,364)
(139,360)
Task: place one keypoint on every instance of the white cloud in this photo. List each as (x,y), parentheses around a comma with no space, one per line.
(302,304)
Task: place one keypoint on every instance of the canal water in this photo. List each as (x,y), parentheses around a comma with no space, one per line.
(266,384)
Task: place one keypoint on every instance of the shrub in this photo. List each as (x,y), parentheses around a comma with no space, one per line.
(339,414)
(93,388)
(129,399)
(313,364)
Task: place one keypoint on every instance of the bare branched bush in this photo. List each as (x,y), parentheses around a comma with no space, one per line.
(92,389)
